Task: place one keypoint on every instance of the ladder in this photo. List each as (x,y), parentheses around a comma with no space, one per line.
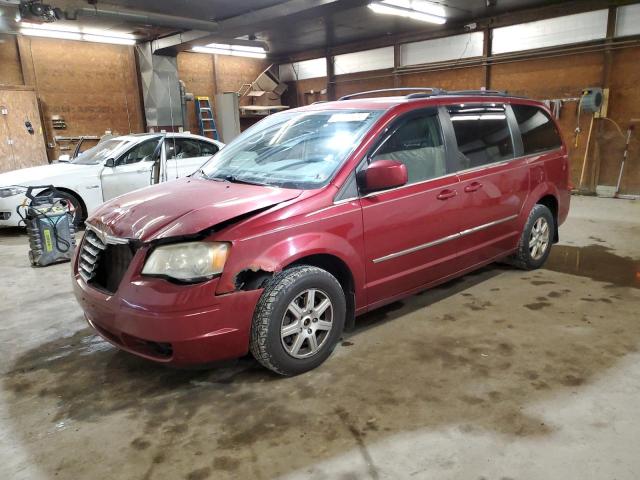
(205,118)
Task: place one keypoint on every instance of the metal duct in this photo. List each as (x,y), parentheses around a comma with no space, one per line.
(146,18)
(160,88)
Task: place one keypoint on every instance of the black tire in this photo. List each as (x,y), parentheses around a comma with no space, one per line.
(75,204)
(266,343)
(524,257)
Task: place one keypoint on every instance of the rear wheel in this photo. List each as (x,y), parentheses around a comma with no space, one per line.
(298,320)
(535,243)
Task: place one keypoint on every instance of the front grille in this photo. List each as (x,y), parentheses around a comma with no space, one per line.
(92,247)
(103,264)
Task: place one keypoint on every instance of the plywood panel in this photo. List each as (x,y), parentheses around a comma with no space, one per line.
(309,90)
(549,77)
(10,70)
(233,72)
(362,82)
(453,79)
(624,105)
(19,148)
(93,86)
(559,77)
(196,71)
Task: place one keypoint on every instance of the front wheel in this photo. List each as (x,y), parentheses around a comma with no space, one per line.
(298,320)
(535,243)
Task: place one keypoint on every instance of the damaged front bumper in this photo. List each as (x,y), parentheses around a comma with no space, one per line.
(168,322)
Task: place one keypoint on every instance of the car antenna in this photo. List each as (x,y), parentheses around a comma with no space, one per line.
(172,124)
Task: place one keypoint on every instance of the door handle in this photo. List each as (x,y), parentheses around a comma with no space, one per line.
(473,187)
(446,193)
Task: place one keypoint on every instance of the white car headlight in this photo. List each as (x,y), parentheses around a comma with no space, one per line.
(188,262)
(11,191)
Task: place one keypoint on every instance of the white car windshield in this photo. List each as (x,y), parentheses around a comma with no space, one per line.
(101,152)
(292,149)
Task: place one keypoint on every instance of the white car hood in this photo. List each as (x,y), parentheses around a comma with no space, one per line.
(43,175)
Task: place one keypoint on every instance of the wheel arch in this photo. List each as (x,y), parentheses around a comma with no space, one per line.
(551,202)
(339,269)
(76,195)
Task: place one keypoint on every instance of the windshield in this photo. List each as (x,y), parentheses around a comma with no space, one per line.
(292,149)
(100,152)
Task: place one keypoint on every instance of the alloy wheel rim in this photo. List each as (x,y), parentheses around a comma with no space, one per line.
(539,238)
(307,323)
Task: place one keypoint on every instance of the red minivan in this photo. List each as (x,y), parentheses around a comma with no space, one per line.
(318,214)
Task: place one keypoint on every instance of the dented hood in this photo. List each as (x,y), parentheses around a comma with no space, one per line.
(183,207)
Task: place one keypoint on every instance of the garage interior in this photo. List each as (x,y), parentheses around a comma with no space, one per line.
(501,374)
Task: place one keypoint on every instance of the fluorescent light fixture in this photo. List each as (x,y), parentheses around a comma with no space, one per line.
(69,32)
(57,27)
(235,50)
(413,9)
(103,39)
(34,32)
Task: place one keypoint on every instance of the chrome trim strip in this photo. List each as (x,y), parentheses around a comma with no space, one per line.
(345,200)
(416,248)
(105,237)
(444,239)
(487,225)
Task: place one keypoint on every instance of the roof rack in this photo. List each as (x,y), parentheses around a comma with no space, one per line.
(500,93)
(432,90)
(424,92)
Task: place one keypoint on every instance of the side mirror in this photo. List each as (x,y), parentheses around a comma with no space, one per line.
(381,175)
(111,163)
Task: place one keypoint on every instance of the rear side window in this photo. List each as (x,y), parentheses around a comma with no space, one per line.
(538,131)
(178,148)
(417,143)
(482,133)
(207,148)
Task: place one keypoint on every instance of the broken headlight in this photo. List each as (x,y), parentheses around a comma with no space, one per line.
(187,262)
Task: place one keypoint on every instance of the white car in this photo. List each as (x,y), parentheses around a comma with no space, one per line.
(111,168)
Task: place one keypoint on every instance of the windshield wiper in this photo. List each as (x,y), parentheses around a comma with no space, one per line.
(235,179)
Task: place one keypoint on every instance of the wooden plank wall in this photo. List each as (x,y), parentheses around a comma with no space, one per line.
(558,77)
(18,147)
(196,70)
(10,71)
(93,86)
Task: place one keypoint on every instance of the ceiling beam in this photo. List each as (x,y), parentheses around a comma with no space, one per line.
(251,22)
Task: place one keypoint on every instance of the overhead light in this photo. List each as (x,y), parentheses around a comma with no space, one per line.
(413,9)
(68,32)
(234,50)
(34,32)
(103,39)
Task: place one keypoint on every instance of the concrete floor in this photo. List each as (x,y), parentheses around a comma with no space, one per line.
(503,374)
